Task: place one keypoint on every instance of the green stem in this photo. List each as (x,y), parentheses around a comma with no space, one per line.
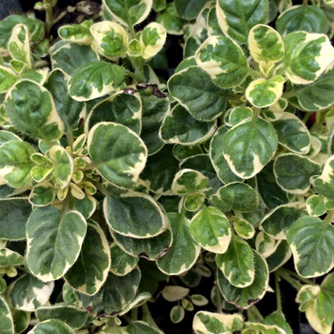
(134,314)
(254,74)
(219,299)
(278,293)
(134,76)
(330,217)
(285,272)
(48,17)
(305,3)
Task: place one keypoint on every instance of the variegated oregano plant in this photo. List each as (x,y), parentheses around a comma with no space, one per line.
(120,189)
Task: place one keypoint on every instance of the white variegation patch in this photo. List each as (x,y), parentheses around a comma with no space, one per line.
(152,38)
(18,45)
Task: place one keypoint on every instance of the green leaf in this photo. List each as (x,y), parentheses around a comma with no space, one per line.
(292,133)
(263,93)
(160,170)
(293,173)
(211,230)
(277,222)
(249,146)
(324,184)
(110,300)
(117,152)
(183,253)
(91,268)
(238,114)
(121,262)
(94,80)
(180,127)
(317,95)
(150,248)
(71,56)
(15,163)
(307,56)
(52,326)
(190,9)
(155,107)
(128,12)
(237,17)
(277,318)
(236,196)
(123,108)
(28,293)
(134,215)
(223,60)
(195,91)
(171,21)
(324,302)
(265,44)
(281,255)
(54,241)
(6,136)
(245,297)
(308,239)
(69,110)
(35,28)
(110,38)
(32,111)
(263,329)
(217,323)
(77,33)
(6,319)
(302,18)
(237,263)
(265,244)
(85,206)
(316,205)
(7,78)
(14,214)
(270,192)
(70,314)
(21,320)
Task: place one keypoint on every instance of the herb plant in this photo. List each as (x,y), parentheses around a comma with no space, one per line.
(113,180)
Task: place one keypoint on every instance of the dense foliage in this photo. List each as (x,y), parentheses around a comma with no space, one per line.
(113,180)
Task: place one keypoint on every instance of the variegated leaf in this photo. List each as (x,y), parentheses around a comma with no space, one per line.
(211,229)
(265,44)
(179,127)
(121,262)
(94,80)
(246,297)
(183,253)
(293,172)
(152,37)
(111,39)
(281,255)
(263,93)
(6,318)
(217,323)
(7,78)
(196,92)
(243,228)
(77,33)
(108,145)
(32,111)
(52,326)
(70,314)
(307,56)
(188,181)
(324,184)
(249,146)
(28,293)
(308,239)
(134,215)
(91,268)
(54,241)
(110,300)
(15,163)
(237,263)
(223,60)
(18,45)
(237,17)
(149,248)
(129,12)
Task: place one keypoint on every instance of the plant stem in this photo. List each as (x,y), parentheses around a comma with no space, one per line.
(329,218)
(305,3)
(48,17)
(219,299)
(286,274)
(278,293)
